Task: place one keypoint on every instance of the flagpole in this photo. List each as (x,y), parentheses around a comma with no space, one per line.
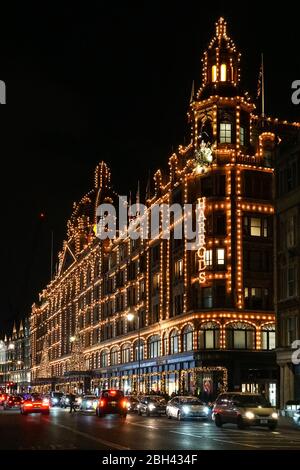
(262,88)
(51,262)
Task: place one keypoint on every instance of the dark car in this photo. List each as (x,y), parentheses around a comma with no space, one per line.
(244,409)
(35,404)
(55,398)
(112,402)
(13,402)
(133,402)
(152,405)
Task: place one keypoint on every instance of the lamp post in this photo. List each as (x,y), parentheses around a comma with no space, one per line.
(131,317)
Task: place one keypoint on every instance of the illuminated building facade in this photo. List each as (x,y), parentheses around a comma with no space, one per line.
(287,272)
(203,318)
(15,359)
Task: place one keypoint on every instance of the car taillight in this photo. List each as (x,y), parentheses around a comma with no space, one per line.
(113,393)
(28,404)
(125,404)
(101,403)
(46,402)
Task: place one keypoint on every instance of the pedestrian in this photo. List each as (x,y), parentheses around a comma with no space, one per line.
(72,403)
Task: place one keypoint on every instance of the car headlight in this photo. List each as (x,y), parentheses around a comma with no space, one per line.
(55,400)
(67,400)
(249,415)
(79,401)
(88,403)
(151,407)
(186,409)
(274,415)
(206,410)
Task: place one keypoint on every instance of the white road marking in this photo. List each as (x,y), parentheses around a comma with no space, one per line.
(110,445)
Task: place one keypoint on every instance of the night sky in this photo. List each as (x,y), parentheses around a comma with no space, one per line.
(111,81)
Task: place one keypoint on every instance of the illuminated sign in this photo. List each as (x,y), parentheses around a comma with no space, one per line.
(201,239)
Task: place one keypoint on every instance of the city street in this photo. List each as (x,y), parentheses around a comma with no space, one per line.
(62,430)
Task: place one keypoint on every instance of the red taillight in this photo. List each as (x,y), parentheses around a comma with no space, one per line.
(113,392)
(28,405)
(125,404)
(101,403)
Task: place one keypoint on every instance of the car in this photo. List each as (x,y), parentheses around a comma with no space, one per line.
(133,402)
(3,398)
(152,405)
(55,398)
(35,404)
(13,402)
(296,417)
(244,409)
(187,407)
(88,403)
(112,402)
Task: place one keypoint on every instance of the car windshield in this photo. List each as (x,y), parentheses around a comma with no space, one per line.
(251,400)
(89,397)
(191,401)
(112,394)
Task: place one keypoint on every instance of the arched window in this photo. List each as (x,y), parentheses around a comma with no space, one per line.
(164,344)
(187,338)
(214,73)
(104,358)
(154,346)
(114,356)
(240,335)
(136,350)
(125,354)
(174,342)
(209,335)
(268,339)
(223,73)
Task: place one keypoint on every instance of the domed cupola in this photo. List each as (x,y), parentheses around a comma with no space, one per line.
(221,72)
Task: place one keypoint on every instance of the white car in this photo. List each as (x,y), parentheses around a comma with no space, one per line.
(187,407)
(89,403)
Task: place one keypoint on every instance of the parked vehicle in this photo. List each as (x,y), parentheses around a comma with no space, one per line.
(187,407)
(112,402)
(88,403)
(244,409)
(152,405)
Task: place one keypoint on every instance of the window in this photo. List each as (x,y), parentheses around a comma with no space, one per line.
(240,335)
(292,291)
(208,258)
(265,227)
(155,282)
(179,269)
(209,336)
(104,359)
(114,356)
(225,133)
(125,354)
(255,227)
(214,73)
(174,342)
(220,256)
(178,304)
(136,350)
(223,72)
(207,297)
(291,231)
(187,338)
(291,330)
(242,136)
(268,336)
(154,347)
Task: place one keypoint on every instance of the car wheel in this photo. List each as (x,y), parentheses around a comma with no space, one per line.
(148,413)
(272,426)
(218,421)
(240,423)
(139,413)
(179,416)
(45,412)
(169,416)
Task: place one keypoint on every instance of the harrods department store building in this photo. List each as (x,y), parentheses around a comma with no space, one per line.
(197,327)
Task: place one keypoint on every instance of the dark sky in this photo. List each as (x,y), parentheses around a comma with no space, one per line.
(108,80)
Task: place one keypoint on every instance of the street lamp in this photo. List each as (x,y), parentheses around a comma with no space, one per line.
(131,317)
